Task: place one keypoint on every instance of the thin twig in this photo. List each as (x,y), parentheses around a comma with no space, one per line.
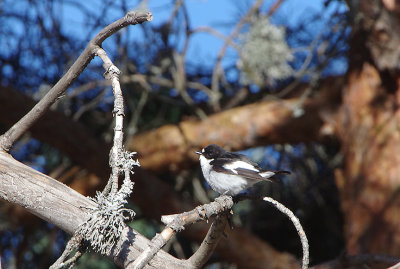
(274,7)
(297,225)
(178,71)
(180,83)
(75,242)
(90,105)
(162,81)
(132,125)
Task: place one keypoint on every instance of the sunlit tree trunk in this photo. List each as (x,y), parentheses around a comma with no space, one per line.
(369,128)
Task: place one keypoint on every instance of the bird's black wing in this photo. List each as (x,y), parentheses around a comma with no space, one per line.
(241,157)
(262,175)
(249,174)
(246,159)
(220,165)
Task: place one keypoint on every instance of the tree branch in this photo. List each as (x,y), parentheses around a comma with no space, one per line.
(43,196)
(112,74)
(171,146)
(297,225)
(267,122)
(177,222)
(203,253)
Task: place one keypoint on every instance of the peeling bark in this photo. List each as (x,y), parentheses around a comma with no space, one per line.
(370,182)
(369,129)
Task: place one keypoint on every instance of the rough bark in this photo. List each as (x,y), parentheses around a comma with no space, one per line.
(370,182)
(369,130)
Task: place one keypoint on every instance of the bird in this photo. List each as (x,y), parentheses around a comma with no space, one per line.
(229,173)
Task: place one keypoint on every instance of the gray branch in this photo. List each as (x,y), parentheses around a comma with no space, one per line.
(177,222)
(44,196)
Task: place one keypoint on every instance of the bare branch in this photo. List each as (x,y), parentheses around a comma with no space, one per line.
(74,243)
(106,222)
(112,74)
(177,222)
(180,82)
(108,210)
(297,225)
(274,7)
(19,128)
(203,253)
(155,245)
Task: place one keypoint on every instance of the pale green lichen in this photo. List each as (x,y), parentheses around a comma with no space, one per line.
(264,54)
(107,220)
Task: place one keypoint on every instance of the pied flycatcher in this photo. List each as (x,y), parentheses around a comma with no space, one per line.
(230,173)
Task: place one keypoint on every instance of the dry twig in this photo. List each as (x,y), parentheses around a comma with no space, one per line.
(297,225)
(178,222)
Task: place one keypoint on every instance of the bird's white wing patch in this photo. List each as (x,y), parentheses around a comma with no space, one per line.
(239,164)
(267,174)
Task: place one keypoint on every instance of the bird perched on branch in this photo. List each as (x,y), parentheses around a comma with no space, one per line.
(230,173)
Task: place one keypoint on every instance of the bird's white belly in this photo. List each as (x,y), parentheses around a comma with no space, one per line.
(227,184)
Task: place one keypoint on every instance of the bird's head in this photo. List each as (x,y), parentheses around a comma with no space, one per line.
(211,151)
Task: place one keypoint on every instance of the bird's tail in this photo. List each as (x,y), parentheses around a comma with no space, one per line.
(282,172)
(268,174)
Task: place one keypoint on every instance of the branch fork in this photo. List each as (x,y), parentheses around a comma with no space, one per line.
(177,222)
(106,222)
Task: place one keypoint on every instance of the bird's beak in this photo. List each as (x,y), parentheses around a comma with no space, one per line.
(198,152)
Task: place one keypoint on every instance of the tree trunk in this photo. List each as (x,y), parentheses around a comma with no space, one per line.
(369,128)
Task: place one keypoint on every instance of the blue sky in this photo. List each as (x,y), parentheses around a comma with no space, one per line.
(222,15)
(219,14)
